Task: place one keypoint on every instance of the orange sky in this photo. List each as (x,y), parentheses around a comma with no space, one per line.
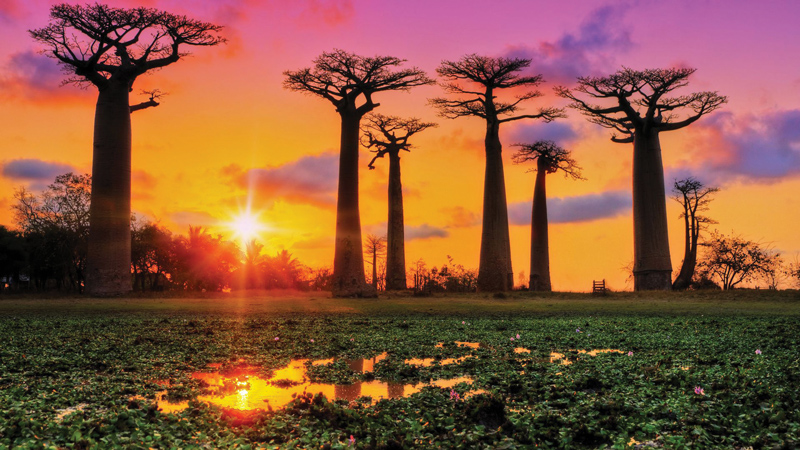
(227,116)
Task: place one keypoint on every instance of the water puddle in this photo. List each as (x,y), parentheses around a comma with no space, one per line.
(555,356)
(248,391)
(427,362)
(62,413)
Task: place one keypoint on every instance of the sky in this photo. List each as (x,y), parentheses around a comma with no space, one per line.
(229,137)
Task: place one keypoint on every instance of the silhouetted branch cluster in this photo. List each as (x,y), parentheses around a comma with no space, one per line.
(98,43)
(473,80)
(341,77)
(390,134)
(734,260)
(549,156)
(639,101)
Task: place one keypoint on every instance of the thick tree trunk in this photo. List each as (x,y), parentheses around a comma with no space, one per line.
(540,251)
(684,278)
(395,245)
(348,262)
(108,264)
(652,268)
(495,273)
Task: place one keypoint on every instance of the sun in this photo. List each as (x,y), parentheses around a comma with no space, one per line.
(246,227)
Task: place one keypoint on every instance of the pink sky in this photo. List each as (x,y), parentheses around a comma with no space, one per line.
(227,124)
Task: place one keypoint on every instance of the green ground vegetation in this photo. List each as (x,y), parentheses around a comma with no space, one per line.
(92,356)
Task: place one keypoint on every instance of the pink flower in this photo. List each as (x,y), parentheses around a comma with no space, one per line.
(352,339)
(352,440)
(517,336)
(312,341)
(577,330)
(512,338)
(277,338)
(630,353)
(463,322)
(454,395)
(699,391)
(758,352)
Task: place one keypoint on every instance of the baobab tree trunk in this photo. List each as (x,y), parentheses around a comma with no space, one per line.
(108,264)
(540,248)
(348,262)
(652,268)
(494,273)
(395,235)
(684,278)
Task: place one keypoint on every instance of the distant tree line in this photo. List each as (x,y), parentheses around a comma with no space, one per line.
(48,251)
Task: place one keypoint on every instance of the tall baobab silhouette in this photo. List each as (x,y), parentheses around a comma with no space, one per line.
(640,109)
(388,135)
(110,48)
(374,249)
(474,82)
(694,197)
(550,158)
(349,82)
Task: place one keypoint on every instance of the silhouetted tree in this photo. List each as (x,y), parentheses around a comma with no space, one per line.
(152,258)
(56,227)
(349,82)
(204,262)
(694,197)
(13,258)
(374,248)
(388,135)
(733,260)
(550,158)
(640,109)
(110,48)
(474,82)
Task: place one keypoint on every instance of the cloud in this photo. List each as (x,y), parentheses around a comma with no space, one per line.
(757,147)
(193,218)
(310,179)
(561,133)
(424,231)
(460,217)
(588,51)
(583,208)
(34,76)
(35,170)
(412,232)
(10,10)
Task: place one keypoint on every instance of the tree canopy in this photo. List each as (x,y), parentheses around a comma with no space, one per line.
(97,43)
(342,77)
(639,100)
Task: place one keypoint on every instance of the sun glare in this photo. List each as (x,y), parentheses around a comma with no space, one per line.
(246,227)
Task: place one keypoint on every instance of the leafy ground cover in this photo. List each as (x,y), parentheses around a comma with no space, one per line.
(86,376)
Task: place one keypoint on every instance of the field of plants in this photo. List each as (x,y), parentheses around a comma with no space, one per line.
(488,377)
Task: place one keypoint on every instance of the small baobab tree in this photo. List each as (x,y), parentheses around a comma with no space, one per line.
(694,197)
(474,82)
(640,108)
(550,158)
(349,82)
(388,135)
(110,48)
(374,249)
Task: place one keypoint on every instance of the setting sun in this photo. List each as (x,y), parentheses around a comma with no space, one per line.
(247,227)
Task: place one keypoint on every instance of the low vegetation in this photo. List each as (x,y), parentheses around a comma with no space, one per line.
(693,371)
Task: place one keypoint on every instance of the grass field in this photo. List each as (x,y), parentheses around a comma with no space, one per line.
(684,371)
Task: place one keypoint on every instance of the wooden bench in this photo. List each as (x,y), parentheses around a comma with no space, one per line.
(599,287)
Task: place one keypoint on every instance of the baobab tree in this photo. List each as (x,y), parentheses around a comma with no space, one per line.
(694,197)
(388,135)
(349,82)
(639,110)
(550,158)
(473,82)
(374,249)
(110,48)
